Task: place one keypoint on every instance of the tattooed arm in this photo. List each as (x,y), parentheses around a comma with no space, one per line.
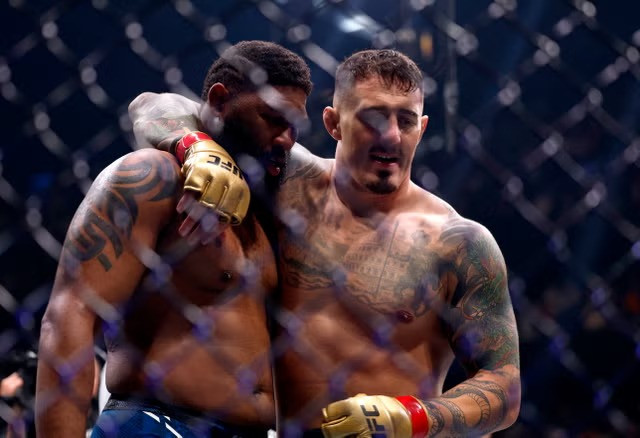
(484,337)
(159,119)
(99,268)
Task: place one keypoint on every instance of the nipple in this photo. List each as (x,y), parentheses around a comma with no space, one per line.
(404,316)
(226,276)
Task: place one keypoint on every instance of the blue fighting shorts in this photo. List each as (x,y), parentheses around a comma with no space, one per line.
(128,418)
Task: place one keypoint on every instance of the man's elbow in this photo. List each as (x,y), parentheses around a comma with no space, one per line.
(514,394)
(140,101)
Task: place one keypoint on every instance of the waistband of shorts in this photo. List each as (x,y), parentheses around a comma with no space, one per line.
(183,414)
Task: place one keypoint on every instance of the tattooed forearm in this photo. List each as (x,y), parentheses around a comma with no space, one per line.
(436,418)
(497,391)
(476,406)
(110,210)
(458,425)
(478,397)
(161,130)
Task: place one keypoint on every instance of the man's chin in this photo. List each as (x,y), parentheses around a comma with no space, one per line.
(381,187)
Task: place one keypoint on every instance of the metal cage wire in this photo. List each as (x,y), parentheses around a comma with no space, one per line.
(534,109)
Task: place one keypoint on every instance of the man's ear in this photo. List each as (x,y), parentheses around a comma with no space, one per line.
(217,97)
(424,121)
(331,120)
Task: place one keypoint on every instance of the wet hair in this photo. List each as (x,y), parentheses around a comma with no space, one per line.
(392,67)
(249,64)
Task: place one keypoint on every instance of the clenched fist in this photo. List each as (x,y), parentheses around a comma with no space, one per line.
(376,416)
(210,172)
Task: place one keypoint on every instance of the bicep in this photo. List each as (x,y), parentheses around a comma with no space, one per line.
(485,334)
(119,218)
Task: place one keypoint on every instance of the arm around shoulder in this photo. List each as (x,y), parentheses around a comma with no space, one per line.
(160,118)
(304,164)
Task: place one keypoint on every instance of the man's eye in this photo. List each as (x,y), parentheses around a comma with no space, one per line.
(405,122)
(274,120)
(374,119)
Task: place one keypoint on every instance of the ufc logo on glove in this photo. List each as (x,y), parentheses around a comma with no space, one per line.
(229,165)
(377,430)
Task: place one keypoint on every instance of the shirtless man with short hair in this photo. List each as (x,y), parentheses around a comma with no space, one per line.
(184,324)
(383,283)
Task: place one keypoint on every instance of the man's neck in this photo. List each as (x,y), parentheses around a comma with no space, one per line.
(362,201)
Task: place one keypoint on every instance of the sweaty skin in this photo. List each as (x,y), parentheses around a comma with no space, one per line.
(383,284)
(381,306)
(386,284)
(191,333)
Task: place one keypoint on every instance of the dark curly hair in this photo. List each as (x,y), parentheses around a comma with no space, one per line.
(247,65)
(392,67)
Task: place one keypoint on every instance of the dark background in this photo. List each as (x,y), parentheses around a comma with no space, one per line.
(534,108)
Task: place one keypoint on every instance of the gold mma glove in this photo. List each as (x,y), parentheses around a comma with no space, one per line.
(376,416)
(211,173)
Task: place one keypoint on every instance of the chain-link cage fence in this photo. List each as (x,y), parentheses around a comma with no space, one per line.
(534,108)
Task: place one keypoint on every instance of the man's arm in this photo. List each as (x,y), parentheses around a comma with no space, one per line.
(99,269)
(484,338)
(161,119)
(215,188)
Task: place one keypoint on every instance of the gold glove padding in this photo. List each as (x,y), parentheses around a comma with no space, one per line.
(210,171)
(366,416)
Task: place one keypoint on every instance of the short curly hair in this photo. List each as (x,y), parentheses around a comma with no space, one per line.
(392,67)
(247,65)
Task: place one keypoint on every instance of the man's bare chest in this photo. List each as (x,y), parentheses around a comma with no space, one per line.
(390,268)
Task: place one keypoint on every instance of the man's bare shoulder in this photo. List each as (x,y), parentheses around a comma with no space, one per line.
(453,227)
(303,164)
(144,175)
(431,207)
(151,159)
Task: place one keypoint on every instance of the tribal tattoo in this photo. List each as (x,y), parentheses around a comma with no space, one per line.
(106,217)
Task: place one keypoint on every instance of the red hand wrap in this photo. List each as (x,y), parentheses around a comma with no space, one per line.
(419,418)
(186,141)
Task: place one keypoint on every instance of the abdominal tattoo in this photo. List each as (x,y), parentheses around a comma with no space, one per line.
(107,215)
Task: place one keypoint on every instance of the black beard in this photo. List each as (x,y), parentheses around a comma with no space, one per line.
(236,139)
(382,186)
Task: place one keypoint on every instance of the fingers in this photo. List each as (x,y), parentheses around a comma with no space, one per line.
(194,210)
(202,224)
(337,411)
(235,203)
(345,418)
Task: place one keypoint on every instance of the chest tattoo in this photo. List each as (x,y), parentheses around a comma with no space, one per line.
(390,270)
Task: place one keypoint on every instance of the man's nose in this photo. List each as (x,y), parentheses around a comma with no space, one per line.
(287,138)
(390,131)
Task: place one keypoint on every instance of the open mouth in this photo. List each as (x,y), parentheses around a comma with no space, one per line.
(274,167)
(275,162)
(383,158)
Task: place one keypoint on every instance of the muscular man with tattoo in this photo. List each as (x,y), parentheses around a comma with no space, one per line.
(184,323)
(383,283)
